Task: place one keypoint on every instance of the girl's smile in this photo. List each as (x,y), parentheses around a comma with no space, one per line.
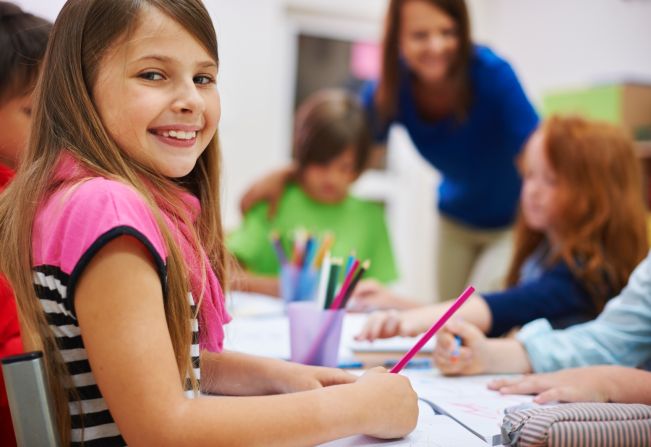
(177,135)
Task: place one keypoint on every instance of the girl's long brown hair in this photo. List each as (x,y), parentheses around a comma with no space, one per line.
(602,217)
(65,119)
(386,96)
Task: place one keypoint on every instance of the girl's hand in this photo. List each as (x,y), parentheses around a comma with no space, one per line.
(391,404)
(591,384)
(390,323)
(296,377)
(371,295)
(269,188)
(472,357)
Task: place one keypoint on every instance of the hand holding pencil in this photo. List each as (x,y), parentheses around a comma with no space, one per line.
(461,348)
(434,329)
(393,409)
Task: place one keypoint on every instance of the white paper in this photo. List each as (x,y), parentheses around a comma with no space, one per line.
(466,400)
(433,430)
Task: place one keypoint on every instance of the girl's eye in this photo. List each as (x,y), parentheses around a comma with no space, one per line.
(151,76)
(203,79)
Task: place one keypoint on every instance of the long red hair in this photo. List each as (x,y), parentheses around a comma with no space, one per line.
(602,217)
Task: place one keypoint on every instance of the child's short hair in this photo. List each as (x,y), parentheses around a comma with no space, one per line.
(23,39)
(327,123)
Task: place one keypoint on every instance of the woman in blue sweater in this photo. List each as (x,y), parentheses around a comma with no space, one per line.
(468,116)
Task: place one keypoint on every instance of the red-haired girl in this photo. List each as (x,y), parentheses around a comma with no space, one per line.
(579,234)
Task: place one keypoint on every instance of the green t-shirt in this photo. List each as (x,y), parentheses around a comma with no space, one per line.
(356,224)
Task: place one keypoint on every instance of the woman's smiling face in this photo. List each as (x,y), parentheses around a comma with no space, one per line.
(429,40)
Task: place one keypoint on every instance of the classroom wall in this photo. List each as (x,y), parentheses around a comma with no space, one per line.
(566,43)
(551,44)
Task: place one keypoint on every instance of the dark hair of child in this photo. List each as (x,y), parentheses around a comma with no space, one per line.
(327,124)
(23,39)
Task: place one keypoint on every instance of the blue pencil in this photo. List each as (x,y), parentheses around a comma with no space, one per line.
(457,347)
(349,263)
(280,253)
(310,247)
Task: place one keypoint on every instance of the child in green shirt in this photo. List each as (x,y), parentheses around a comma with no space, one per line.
(331,149)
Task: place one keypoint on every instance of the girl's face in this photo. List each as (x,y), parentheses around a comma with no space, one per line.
(329,183)
(156,95)
(15,124)
(429,40)
(540,187)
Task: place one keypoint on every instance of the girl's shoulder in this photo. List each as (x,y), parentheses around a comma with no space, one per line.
(97,197)
(88,213)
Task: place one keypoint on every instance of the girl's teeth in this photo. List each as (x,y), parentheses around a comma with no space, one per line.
(179,134)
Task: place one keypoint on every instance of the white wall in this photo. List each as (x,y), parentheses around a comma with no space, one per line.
(565,43)
(551,43)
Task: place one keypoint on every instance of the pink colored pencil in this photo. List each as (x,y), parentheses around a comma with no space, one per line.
(433,330)
(344,287)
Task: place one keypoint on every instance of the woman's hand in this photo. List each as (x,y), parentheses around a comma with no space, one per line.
(269,188)
(370,295)
(390,403)
(590,384)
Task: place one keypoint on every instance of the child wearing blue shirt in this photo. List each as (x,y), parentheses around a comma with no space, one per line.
(621,335)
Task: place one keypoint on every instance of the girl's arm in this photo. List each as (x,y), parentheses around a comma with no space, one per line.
(607,383)
(237,374)
(412,322)
(119,304)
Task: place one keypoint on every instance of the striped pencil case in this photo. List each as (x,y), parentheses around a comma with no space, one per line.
(581,424)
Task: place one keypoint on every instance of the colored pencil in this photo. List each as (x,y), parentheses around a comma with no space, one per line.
(433,330)
(278,248)
(333,278)
(323,281)
(353,284)
(336,304)
(328,240)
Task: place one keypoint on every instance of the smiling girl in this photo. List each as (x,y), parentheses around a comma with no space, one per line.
(119,280)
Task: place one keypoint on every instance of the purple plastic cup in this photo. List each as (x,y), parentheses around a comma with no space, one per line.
(314,334)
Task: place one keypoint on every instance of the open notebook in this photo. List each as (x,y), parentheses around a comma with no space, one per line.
(354,324)
(433,430)
(467,400)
